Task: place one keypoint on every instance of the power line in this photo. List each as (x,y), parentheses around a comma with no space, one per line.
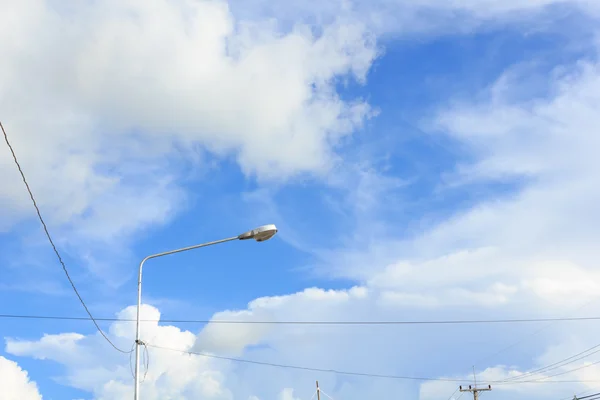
(529,335)
(299,322)
(452,395)
(339,372)
(584,393)
(39,214)
(575,396)
(558,364)
(541,380)
(569,371)
(326,395)
(588,396)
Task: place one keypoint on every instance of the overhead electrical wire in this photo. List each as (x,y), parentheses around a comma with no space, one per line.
(452,395)
(566,372)
(596,397)
(558,364)
(340,372)
(326,395)
(574,396)
(588,396)
(300,322)
(541,380)
(58,256)
(537,331)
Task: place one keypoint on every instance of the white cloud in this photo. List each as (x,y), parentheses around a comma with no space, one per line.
(15,382)
(109,376)
(123,88)
(429,17)
(127,101)
(105,107)
(175,375)
(88,366)
(534,243)
(529,251)
(287,394)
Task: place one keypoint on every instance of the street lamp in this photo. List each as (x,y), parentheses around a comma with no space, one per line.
(259,234)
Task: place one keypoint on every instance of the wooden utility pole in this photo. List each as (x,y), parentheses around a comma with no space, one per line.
(475,390)
(318,391)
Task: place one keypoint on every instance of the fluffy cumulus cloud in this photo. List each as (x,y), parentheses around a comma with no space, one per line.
(181,363)
(100,98)
(546,144)
(179,373)
(534,243)
(110,105)
(182,374)
(15,382)
(170,375)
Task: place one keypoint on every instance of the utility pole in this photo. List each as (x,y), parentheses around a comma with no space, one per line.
(475,390)
(318,391)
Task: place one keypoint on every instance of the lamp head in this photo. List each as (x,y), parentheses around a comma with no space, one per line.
(260,234)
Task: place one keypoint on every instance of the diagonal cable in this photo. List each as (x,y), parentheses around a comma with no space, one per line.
(326,395)
(351,373)
(558,364)
(39,214)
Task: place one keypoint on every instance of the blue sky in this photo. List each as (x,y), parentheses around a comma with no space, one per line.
(422,162)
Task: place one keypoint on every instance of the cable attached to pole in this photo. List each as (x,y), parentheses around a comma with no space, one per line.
(60,260)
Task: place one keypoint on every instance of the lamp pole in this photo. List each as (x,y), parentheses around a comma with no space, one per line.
(259,234)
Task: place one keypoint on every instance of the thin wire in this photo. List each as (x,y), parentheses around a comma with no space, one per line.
(555,365)
(551,376)
(530,334)
(585,392)
(576,397)
(339,372)
(558,364)
(206,321)
(146,360)
(571,370)
(39,214)
(585,397)
(131,363)
(452,395)
(326,395)
(241,360)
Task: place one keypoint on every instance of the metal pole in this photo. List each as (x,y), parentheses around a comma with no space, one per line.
(318,391)
(136,393)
